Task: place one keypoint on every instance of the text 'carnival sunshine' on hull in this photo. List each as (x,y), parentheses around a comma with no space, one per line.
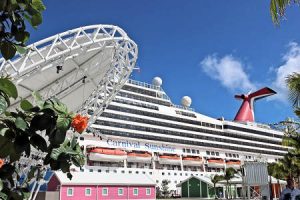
(143,132)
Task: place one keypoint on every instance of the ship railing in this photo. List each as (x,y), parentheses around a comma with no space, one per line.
(183,107)
(143,84)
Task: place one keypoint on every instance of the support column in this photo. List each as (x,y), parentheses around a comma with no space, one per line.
(125,163)
(181,163)
(153,160)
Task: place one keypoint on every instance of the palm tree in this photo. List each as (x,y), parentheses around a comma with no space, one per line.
(228,175)
(278,7)
(293,83)
(215,179)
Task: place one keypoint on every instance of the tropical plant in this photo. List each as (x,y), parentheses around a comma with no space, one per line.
(278,7)
(229,174)
(215,179)
(32,133)
(13,33)
(165,188)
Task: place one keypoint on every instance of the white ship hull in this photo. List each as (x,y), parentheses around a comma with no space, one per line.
(215,165)
(106,157)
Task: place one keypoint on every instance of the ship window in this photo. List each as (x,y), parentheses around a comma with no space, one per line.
(70,192)
(150,173)
(157,181)
(230,155)
(169,173)
(115,171)
(212,153)
(137,172)
(226,154)
(217,154)
(183,150)
(130,172)
(91,170)
(175,174)
(237,155)
(234,155)
(88,192)
(186,174)
(207,153)
(163,173)
(188,150)
(122,171)
(82,170)
(193,151)
(180,174)
(107,171)
(198,152)
(144,172)
(99,170)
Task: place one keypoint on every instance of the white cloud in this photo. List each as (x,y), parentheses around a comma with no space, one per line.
(229,71)
(291,64)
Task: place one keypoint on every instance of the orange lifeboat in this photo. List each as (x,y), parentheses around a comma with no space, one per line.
(192,161)
(142,157)
(234,164)
(215,163)
(106,154)
(169,159)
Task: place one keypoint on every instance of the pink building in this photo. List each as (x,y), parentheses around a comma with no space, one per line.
(97,186)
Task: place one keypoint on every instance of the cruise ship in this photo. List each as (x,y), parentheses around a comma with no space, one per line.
(143,132)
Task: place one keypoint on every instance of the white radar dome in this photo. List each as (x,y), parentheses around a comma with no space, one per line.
(186,101)
(157,81)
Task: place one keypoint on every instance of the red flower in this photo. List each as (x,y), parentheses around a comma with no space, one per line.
(1,162)
(79,123)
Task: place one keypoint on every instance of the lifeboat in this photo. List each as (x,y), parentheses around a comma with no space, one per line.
(169,160)
(215,163)
(192,161)
(140,157)
(108,155)
(234,164)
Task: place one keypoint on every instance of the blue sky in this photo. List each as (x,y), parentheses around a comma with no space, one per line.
(208,49)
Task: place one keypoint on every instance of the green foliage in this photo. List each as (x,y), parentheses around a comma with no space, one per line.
(14,14)
(278,7)
(215,179)
(164,190)
(41,127)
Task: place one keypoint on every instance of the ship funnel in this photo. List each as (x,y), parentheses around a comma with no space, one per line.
(246,111)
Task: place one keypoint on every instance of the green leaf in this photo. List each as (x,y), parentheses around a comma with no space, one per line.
(21,124)
(26,105)
(60,107)
(3,4)
(3,104)
(3,131)
(8,87)
(21,36)
(31,173)
(69,175)
(38,142)
(20,144)
(36,19)
(3,196)
(20,49)
(1,185)
(63,123)
(6,171)
(38,99)
(6,147)
(38,5)
(8,50)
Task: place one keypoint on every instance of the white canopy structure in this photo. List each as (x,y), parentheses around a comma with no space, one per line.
(83,67)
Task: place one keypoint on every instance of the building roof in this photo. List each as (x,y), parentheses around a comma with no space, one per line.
(96,178)
(201,178)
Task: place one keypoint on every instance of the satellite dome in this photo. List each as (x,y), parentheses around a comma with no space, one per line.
(186,101)
(157,81)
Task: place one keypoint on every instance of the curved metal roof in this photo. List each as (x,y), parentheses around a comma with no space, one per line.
(95,62)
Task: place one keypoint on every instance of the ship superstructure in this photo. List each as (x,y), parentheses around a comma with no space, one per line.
(143,132)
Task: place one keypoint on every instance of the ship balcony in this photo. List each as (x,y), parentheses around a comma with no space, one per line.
(169,160)
(192,161)
(139,157)
(233,164)
(108,155)
(216,163)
